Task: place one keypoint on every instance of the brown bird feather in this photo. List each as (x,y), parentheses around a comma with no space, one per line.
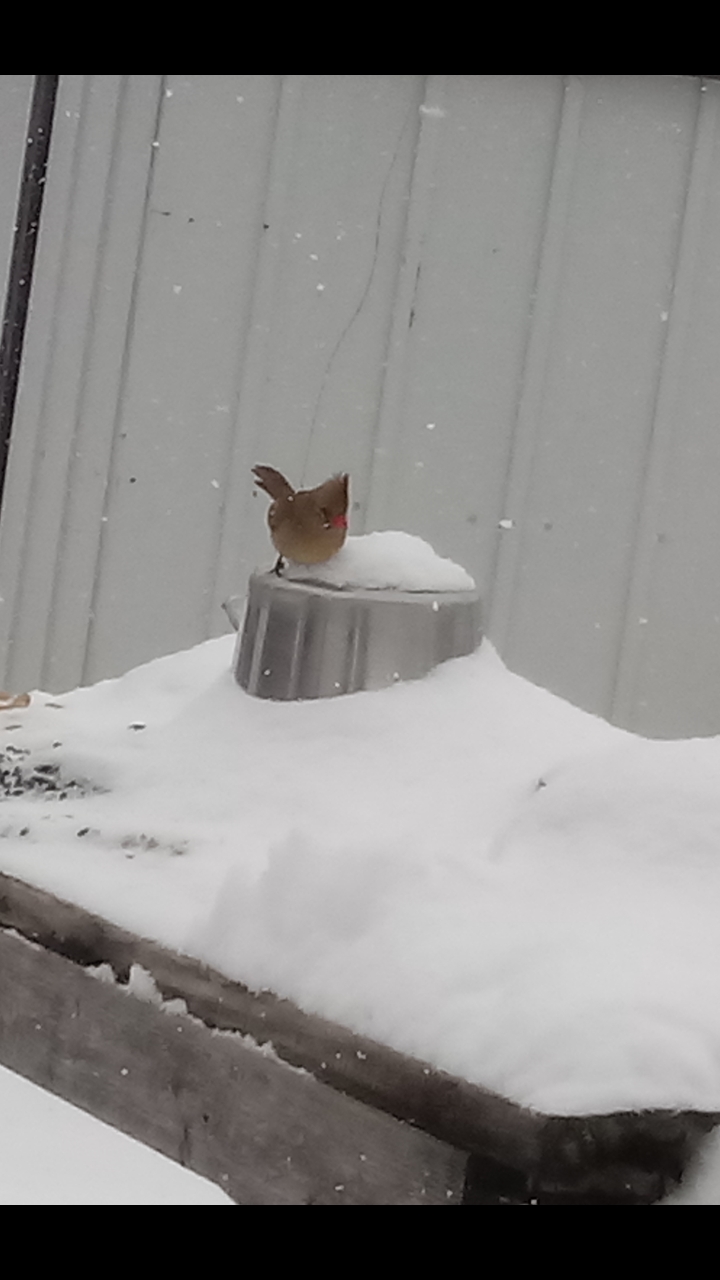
(307,526)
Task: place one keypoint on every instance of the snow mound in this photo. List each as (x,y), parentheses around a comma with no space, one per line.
(389,561)
(701,1183)
(464,867)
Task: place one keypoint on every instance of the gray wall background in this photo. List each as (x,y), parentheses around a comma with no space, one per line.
(494,299)
(15,92)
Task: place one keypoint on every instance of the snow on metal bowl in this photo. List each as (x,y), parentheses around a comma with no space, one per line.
(304,638)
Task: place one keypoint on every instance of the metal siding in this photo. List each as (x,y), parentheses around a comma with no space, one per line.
(494,299)
(619,238)
(462,319)
(669,679)
(175,421)
(71,376)
(15,95)
(336,213)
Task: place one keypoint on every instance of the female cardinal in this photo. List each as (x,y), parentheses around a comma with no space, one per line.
(309,526)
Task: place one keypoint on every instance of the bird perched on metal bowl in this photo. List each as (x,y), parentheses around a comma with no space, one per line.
(307,526)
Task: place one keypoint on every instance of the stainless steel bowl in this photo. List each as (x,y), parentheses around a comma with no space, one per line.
(304,640)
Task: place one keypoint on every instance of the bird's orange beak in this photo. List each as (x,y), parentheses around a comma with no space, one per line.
(339,522)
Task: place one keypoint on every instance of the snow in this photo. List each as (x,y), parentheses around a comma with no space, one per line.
(387,561)
(466,867)
(701,1183)
(53,1153)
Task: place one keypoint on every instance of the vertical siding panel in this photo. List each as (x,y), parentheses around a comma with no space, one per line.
(335,216)
(237,535)
(341,239)
(15,96)
(638,632)
(55,367)
(463,310)
(363,265)
(169,462)
(669,678)
(386,459)
(19,507)
(580,516)
(109,323)
(532,383)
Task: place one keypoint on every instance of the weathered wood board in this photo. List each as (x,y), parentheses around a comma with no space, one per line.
(443,1105)
(266,1132)
(319,1115)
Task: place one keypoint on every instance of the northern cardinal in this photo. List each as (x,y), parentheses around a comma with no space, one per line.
(308,526)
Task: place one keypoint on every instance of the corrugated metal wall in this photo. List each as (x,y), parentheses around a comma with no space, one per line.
(15,92)
(494,299)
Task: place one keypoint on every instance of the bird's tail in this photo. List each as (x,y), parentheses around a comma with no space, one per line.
(273,482)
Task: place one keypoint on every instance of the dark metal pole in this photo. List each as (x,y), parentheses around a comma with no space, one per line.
(27,221)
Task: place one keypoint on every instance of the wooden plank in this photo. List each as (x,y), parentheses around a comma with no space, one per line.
(456,1112)
(266,1133)
(516,1156)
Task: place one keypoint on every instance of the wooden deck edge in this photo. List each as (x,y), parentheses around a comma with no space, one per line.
(266,1133)
(627,1157)
(445,1106)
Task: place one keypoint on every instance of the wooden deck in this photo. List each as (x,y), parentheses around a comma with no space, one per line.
(322,1117)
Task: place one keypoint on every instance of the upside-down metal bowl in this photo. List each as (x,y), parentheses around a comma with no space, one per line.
(305,640)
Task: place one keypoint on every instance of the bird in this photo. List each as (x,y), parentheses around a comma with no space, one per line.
(307,526)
